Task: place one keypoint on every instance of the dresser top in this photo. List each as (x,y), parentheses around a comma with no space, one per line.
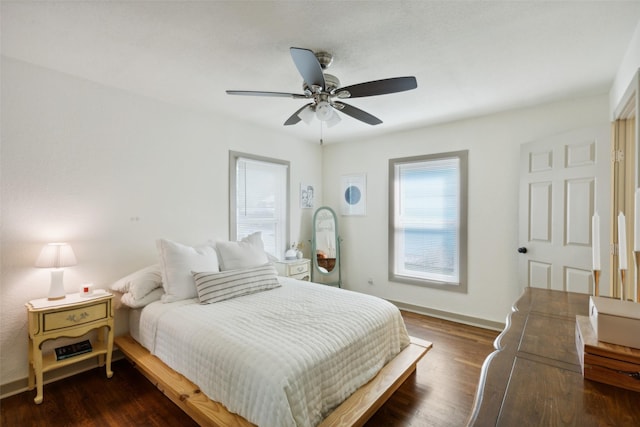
(534,378)
(69,299)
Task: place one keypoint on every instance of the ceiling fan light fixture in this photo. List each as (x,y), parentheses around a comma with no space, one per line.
(306,115)
(324,111)
(334,120)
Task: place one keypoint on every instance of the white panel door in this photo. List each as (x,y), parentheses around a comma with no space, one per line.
(563,180)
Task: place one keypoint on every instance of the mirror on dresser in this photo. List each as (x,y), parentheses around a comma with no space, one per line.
(325,247)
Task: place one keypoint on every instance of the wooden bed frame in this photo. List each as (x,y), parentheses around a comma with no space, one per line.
(355,411)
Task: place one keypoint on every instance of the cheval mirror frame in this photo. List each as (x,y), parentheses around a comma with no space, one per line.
(325,248)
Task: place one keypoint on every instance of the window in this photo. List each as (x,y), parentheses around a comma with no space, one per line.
(428,220)
(259,200)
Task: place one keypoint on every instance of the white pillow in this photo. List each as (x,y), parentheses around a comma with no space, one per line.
(248,252)
(140,283)
(177,262)
(128,299)
(219,286)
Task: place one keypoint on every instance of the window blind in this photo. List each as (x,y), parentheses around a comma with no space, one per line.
(261,202)
(427,219)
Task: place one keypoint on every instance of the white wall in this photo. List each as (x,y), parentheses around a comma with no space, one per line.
(627,69)
(110,172)
(494,145)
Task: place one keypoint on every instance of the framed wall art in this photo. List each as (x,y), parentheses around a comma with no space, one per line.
(306,196)
(353,194)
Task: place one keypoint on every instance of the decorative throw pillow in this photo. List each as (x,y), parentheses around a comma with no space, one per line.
(140,283)
(177,262)
(246,253)
(219,286)
(128,299)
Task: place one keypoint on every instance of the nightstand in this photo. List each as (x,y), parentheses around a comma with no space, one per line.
(296,268)
(73,316)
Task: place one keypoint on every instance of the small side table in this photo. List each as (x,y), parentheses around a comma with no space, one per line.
(73,316)
(295,268)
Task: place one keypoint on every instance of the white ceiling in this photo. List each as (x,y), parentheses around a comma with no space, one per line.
(469,58)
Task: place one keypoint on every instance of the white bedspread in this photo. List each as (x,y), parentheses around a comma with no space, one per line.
(283,357)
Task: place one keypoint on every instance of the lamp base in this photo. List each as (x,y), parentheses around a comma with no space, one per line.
(56,290)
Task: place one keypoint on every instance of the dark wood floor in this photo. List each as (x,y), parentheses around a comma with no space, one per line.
(440,393)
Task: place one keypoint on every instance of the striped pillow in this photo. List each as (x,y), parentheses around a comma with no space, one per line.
(219,286)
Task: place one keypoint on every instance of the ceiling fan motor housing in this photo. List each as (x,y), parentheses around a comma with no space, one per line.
(331,82)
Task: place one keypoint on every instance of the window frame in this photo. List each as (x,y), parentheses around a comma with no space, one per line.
(461,285)
(234,156)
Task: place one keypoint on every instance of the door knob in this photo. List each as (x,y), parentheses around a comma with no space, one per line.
(522,250)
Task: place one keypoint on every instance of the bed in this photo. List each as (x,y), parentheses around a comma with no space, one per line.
(295,354)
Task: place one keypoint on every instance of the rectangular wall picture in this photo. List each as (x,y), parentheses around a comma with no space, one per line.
(353,194)
(306,196)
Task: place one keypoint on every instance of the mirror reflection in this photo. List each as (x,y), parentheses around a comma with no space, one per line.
(326,248)
(325,235)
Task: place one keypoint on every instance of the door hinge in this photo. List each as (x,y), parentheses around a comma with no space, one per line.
(617,156)
(613,249)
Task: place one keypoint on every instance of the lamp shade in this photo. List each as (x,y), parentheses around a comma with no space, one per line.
(334,120)
(56,255)
(306,115)
(324,111)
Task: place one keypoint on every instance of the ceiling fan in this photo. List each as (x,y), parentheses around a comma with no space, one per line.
(324,91)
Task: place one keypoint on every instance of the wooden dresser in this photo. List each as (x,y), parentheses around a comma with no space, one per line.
(534,376)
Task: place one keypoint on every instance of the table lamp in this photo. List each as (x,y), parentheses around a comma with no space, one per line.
(56,256)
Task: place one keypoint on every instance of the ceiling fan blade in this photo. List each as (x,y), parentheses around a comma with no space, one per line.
(357,113)
(308,66)
(294,117)
(378,87)
(259,93)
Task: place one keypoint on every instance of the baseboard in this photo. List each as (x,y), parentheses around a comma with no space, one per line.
(22,385)
(454,317)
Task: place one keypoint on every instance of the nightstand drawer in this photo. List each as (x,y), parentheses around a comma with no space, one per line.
(298,268)
(302,276)
(75,316)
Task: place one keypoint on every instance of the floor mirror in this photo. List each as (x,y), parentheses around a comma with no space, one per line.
(325,245)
